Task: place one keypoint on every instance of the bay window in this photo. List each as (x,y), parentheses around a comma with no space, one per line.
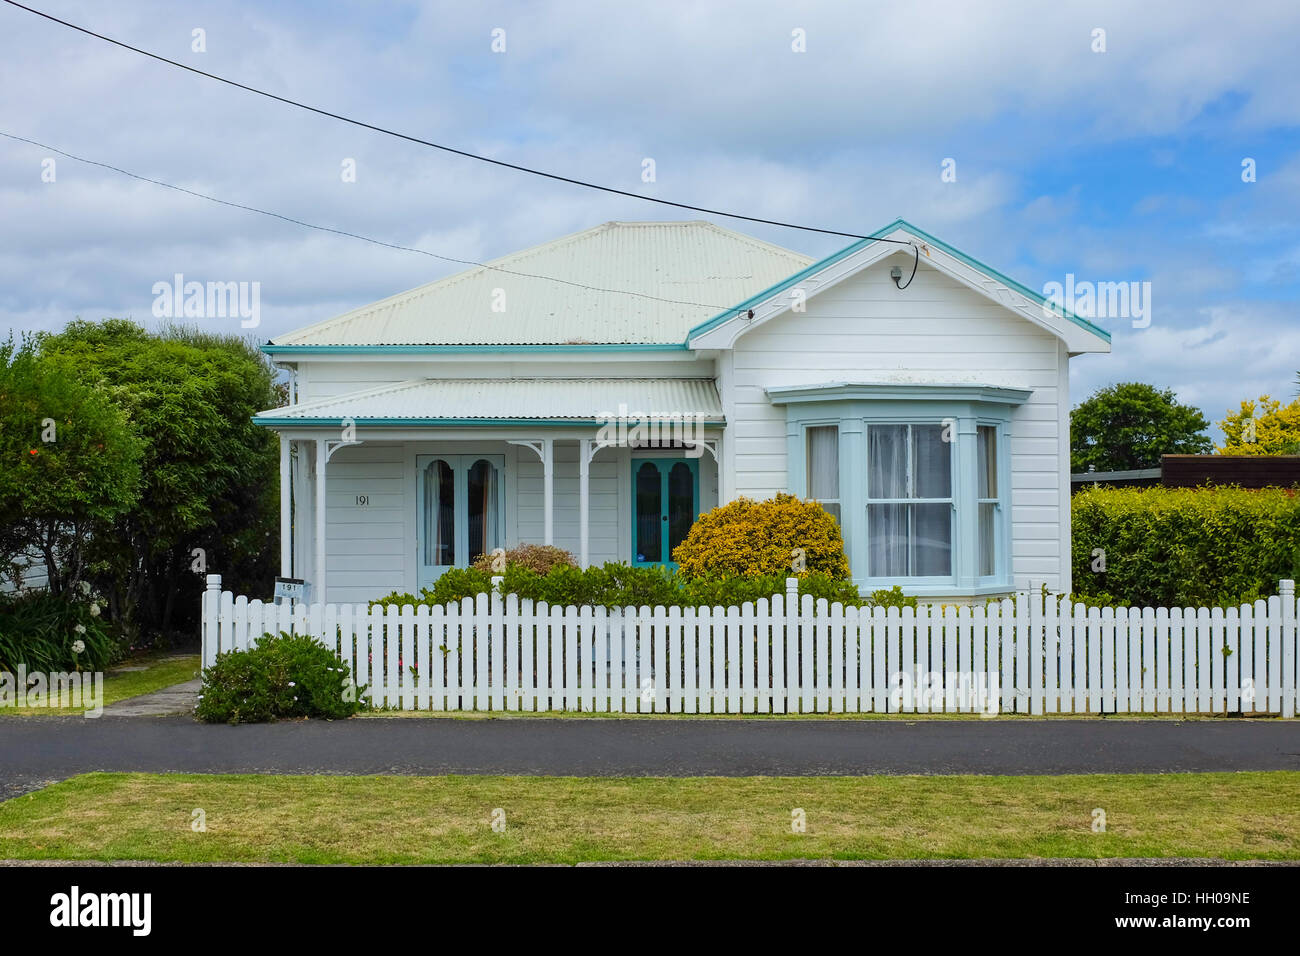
(918,477)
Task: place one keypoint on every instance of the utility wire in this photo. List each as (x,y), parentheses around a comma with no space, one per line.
(444,148)
(354,235)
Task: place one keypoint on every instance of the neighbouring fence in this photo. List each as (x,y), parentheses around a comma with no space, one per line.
(1025,655)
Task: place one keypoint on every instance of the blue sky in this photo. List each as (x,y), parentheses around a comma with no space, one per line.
(1123,165)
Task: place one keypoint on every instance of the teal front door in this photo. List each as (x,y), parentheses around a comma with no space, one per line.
(665,502)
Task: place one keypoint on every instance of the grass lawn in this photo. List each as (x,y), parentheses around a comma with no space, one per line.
(160,671)
(321,819)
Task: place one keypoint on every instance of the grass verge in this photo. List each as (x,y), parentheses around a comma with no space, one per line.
(323,819)
(159,672)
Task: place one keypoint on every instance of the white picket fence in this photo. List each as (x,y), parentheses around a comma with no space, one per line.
(780,655)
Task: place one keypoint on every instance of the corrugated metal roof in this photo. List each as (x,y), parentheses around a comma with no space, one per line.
(488,399)
(692,269)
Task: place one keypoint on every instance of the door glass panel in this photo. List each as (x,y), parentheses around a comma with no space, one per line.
(681,504)
(439,515)
(484,522)
(649,514)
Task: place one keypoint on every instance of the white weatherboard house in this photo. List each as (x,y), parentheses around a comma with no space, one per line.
(931,416)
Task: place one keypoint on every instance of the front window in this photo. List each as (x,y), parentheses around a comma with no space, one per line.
(909,501)
(824,467)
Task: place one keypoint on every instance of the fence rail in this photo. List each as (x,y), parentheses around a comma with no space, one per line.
(782,655)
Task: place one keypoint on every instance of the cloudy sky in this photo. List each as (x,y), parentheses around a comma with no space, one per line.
(1122,165)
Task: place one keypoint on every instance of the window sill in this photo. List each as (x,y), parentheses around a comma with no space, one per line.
(930,589)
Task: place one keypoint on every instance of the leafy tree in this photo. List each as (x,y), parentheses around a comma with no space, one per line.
(1270,429)
(69,464)
(1130,425)
(209,497)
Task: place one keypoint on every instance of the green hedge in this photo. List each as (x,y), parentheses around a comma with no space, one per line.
(622,585)
(1167,547)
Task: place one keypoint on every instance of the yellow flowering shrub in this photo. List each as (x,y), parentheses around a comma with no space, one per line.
(782,535)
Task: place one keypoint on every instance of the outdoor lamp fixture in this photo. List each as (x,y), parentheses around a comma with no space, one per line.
(896,273)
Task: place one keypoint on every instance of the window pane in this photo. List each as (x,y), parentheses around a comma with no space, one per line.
(439,515)
(887,461)
(824,462)
(887,550)
(649,513)
(931,462)
(483,518)
(988,461)
(931,539)
(988,562)
(681,504)
(833,507)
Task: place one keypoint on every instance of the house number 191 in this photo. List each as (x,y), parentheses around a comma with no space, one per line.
(363,500)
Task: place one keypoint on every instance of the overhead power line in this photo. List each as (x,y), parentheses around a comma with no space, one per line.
(355,235)
(448,149)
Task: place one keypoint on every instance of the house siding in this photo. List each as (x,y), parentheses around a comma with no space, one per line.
(865,329)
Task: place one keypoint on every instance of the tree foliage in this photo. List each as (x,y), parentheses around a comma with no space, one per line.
(1130,425)
(69,466)
(1267,429)
(209,496)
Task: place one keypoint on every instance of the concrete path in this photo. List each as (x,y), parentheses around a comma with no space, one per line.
(177,699)
(36,750)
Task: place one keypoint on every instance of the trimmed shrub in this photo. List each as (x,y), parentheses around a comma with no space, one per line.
(1168,547)
(452,585)
(749,538)
(534,557)
(40,630)
(278,677)
(621,585)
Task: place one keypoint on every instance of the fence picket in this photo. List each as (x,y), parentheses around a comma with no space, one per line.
(631,687)
(778,696)
(1273,655)
(748,645)
(1164,663)
(1218,662)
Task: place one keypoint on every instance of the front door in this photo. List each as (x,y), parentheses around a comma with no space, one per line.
(665,502)
(461,508)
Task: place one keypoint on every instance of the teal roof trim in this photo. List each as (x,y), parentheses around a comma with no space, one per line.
(971,261)
(421,422)
(272,349)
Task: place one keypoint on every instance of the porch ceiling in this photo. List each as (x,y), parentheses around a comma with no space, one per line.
(488,401)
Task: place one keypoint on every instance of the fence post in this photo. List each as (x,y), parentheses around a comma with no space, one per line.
(1289,639)
(791,593)
(208,618)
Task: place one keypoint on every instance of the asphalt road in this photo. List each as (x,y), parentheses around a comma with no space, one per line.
(38,750)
